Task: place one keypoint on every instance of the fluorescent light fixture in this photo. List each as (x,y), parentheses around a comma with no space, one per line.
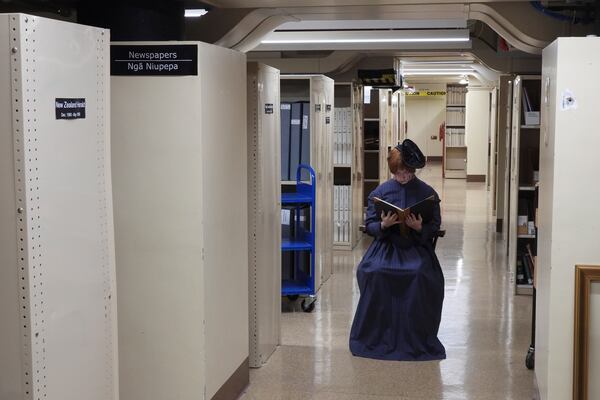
(438,71)
(360,40)
(457,73)
(365,39)
(426,63)
(435,70)
(195,12)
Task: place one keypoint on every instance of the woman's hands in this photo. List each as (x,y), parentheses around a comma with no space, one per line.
(415,223)
(388,220)
(391,219)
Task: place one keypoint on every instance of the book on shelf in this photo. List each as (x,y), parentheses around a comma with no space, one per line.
(533,262)
(286,113)
(424,208)
(526,102)
(528,264)
(305,139)
(521,278)
(295,138)
(342,213)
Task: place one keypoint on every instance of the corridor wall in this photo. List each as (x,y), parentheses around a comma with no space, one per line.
(180,192)
(58,319)
(425,115)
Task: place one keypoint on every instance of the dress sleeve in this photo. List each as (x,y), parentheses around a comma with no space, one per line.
(373,221)
(430,229)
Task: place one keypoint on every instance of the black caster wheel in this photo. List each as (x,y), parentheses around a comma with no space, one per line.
(308,307)
(293,297)
(530,359)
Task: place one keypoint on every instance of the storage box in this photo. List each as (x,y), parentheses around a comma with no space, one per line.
(531,228)
(532,118)
(522,225)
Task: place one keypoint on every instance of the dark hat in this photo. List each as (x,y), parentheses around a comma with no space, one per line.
(412,156)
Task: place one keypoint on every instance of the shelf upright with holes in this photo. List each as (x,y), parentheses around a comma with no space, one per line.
(58,303)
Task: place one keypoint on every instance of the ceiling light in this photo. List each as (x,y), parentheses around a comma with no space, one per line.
(195,12)
(359,40)
(454,70)
(434,73)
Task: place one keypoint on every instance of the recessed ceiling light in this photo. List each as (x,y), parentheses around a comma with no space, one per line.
(358,40)
(195,12)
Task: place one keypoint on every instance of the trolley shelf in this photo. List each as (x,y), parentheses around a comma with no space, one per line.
(295,245)
(291,288)
(296,198)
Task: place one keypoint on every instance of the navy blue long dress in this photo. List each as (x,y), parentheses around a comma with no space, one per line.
(401,284)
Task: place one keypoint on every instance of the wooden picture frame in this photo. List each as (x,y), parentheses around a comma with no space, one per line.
(585,275)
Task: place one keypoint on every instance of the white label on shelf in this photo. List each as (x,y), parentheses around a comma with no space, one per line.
(295,122)
(305,122)
(286,106)
(285,217)
(568,101)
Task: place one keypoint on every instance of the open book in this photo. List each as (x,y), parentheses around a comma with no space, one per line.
(424,208)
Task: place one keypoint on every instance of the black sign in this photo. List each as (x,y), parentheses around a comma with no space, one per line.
(154,60)
(317,107)
(69,108)
(268,108)
(327,120)
(328,107)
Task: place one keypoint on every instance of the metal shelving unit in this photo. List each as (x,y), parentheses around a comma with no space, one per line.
(348,164)
(454,147)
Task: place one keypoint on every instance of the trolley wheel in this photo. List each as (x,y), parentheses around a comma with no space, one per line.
(530,359)
(308,306)
(293,297)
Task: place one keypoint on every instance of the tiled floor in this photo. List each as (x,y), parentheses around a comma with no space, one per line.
(485,327)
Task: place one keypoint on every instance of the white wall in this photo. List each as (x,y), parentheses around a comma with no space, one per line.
(424,116)
(477,130)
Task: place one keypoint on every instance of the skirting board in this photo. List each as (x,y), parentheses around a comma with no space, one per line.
(235,385)
(499,223)
(475,178)
(434,158)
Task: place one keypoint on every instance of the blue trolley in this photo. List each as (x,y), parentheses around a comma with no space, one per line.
(302,283)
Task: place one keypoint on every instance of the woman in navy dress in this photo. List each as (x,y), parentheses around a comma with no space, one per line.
(400,279)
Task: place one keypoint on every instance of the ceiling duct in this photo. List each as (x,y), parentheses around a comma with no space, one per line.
(380,78)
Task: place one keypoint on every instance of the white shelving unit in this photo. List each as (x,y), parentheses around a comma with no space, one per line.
(318,90)
(348,183)
(58,303)
(569,166)
(399,115)
(524,149)
(264,212)
(455,146)
(179,153)
(378,136)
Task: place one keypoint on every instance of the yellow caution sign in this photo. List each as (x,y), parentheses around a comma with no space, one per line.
(427,93)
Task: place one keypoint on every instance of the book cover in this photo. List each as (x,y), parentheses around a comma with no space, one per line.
(424,208)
